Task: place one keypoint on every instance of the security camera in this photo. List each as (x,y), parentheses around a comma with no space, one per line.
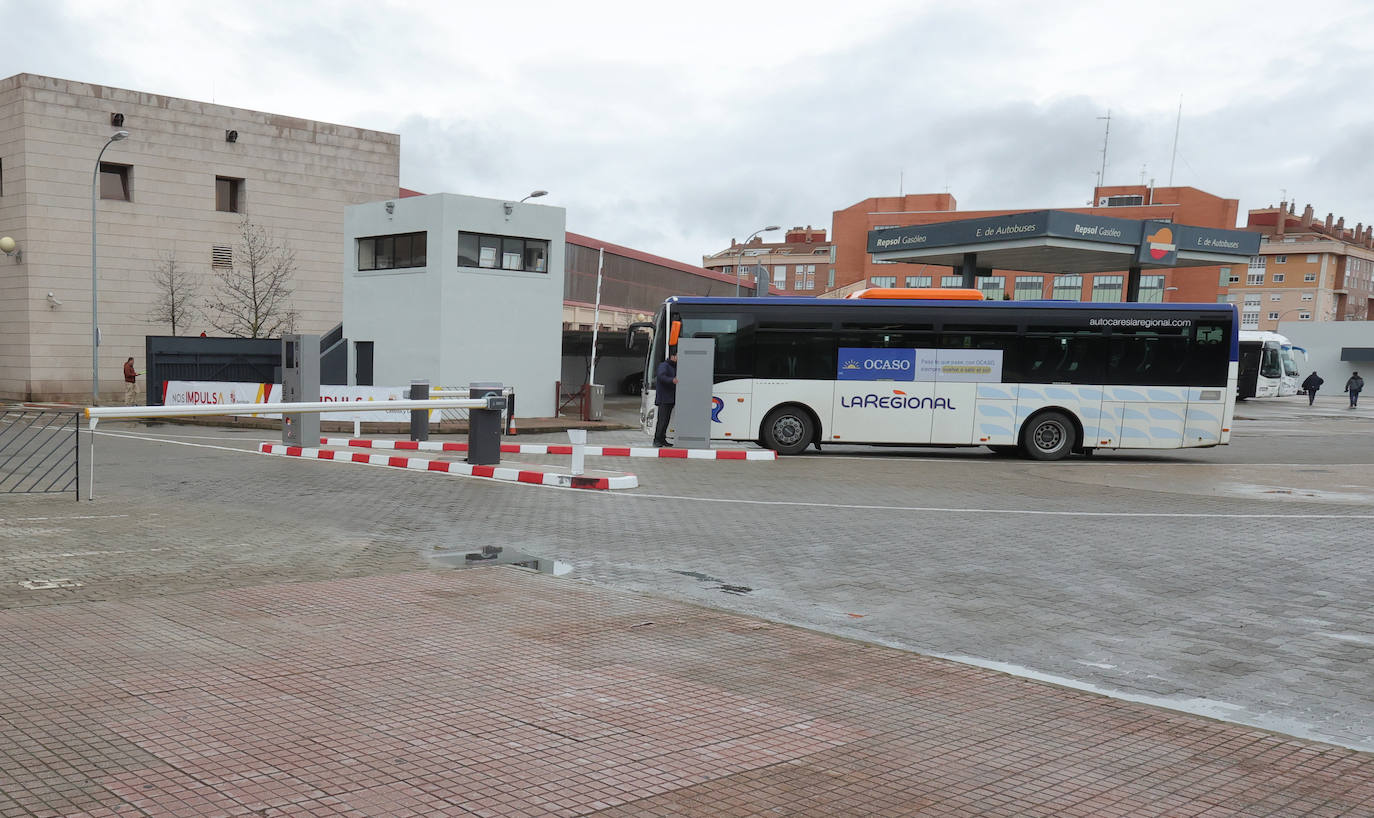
(53,300)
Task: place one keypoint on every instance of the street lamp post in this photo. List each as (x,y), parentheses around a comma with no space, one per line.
(95,290)
(739,272)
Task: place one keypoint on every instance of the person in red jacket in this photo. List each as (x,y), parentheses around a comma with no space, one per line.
(130,383)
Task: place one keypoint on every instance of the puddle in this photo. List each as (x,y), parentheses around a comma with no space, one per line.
(496,555)
(738,590)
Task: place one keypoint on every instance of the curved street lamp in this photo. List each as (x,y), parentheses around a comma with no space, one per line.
(95,292)
(739,272)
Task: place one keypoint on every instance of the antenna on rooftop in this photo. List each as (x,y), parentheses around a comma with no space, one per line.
(1177,123)
(1106,135)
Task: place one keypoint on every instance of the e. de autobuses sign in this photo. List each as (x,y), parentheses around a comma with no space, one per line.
(211,393)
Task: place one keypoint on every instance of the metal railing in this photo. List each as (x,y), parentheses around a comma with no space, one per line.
(39,453)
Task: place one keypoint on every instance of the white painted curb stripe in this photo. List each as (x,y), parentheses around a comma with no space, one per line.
(557,448)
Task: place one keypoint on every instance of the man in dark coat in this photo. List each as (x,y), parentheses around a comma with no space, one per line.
(665,396)
(1311,385)
(1354,386)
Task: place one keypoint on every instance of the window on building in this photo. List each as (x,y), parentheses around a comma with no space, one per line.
(805,277)
(780,275)
(1290,240)
(1152,288)
(1311,258)
(1280,259)
(1307,296)
(1273,316)
(490,252)
(228,194)
(952,281)
(1068,288)
(1133,200)
(830,279)
(1276,297)
(1309,277)
(1229,298)
(1253,279)
(1304,316)
(1028,288)
(1249,320)
(877,260)
(1257,262)
(1278,278)
(993,287)
(882,281)
(1252,300)
(1107,288)
(1233,279)
(114,181)
(919,281)
(221,257)
(393,252)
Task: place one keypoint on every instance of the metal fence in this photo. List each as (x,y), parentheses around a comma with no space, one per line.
(38,451)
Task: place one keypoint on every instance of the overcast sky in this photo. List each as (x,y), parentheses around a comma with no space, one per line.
(672,127)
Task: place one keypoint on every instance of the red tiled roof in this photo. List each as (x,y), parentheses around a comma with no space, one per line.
(620,250)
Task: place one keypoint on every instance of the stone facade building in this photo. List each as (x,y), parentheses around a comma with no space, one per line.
(178,187)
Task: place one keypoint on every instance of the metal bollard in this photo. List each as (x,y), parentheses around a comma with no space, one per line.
(578,438)
(419,418)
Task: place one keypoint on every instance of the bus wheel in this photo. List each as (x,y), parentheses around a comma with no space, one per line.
(788,430)
(1049,436)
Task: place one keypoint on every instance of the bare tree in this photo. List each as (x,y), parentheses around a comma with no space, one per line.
(252,299)
(177,291)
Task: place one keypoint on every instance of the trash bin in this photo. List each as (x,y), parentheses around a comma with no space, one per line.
(484,427)
(595,404)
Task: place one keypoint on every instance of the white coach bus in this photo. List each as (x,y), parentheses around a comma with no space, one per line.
(936,367)
(1268,365)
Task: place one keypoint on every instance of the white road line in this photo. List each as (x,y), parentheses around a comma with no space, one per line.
(1029,512)
(60,519)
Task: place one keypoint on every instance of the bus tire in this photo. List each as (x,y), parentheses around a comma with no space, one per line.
(1049,436)
(788,430)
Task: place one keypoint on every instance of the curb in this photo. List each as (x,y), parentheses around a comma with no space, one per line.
(625,481)
(546,448)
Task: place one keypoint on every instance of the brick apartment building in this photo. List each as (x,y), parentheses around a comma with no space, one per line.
(1306,270)
(855,267)
(803,263)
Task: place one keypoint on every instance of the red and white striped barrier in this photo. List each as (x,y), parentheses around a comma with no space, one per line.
(624,481)
(546,448)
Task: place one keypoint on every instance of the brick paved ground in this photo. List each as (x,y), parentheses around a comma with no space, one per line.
(499,692)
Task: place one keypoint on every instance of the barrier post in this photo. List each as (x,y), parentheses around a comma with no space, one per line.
(419,418)
(578,438)
(484,425)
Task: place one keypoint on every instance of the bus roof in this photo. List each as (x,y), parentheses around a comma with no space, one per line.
(857,303)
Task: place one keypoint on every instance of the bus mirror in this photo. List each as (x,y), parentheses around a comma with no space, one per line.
(674,332)
(632,333)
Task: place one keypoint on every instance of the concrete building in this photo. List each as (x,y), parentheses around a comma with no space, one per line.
(455,289)
(1335,349)
(803,263)
(1186,205)
(177,187)
(1306,270)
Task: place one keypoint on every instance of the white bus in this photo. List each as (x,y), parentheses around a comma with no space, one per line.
(1045,378)
(1268,365)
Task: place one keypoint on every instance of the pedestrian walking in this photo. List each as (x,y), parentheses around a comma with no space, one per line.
(130,383)
(1354,386)
(1311,385)
(665,397)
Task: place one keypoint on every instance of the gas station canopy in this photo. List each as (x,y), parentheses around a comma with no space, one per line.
(1059,241)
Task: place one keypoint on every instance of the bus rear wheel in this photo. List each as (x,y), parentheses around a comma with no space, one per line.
(788,430)
(1049,436)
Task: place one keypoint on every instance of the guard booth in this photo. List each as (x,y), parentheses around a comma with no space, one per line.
(300,383)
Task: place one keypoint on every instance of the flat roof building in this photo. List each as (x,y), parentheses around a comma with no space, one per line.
(178,188)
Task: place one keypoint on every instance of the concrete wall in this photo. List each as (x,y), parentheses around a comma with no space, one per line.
(1323,342)
(453,325)
(298,177)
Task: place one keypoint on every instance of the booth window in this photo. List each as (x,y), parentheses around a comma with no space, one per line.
(392,252)
(503,252)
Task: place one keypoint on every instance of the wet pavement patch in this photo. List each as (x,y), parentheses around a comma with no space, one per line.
(720,584)
(497,555)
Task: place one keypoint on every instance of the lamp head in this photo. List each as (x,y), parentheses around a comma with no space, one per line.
(771,227)
(536,194)
(119,136)
(6,245)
